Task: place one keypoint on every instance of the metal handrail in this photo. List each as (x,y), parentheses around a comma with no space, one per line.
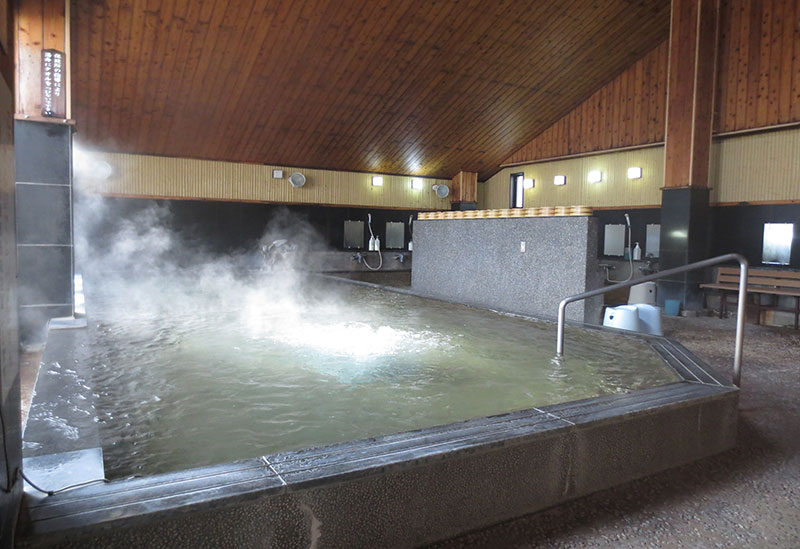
(737,355)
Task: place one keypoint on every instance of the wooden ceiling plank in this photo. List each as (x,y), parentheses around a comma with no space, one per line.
(462,90)
(378,82)
(488,136)
(764,64)
(774,76)
(303,85)
(166,101)
(191,87)
(288,18)
(213,70)
(457,99)
(119,53)
(610,33)
(449,86)
(172,24)
(110,65)
(791,25)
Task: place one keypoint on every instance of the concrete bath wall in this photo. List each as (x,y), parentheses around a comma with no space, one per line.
(479,262)
(556,454)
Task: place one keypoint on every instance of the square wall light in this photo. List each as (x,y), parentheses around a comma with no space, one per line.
(277,174)
(417,184)
(560,180)
(634,172)
(527,183)
(377,181)
(595,176)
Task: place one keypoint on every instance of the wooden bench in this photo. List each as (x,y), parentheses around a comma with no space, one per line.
(776,283)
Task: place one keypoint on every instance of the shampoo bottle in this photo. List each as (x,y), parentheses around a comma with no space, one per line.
(372,243)
(377,243)
(410,245)
(637,252)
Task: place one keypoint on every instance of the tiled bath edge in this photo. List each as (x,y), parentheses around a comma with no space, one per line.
(403,489)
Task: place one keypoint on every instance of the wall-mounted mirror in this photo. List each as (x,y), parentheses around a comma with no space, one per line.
(354,234)
(395,235)
(652,241)
(614,242)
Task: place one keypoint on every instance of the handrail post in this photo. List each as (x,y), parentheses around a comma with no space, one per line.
(740,314)
(743,265)
(562,311)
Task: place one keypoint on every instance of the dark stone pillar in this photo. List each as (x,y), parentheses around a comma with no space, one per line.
(684,239)
(44,225)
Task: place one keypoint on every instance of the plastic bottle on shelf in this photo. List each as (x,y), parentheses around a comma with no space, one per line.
(372,243)
(377,243)
(637,252)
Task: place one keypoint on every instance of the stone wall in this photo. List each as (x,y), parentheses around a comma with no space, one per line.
(479,262)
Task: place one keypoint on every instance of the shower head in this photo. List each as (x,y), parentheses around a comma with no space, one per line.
(628,220)
(369,218)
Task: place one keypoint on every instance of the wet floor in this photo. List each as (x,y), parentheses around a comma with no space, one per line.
(746,497)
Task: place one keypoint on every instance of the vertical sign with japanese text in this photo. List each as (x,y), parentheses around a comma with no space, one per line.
(54,99)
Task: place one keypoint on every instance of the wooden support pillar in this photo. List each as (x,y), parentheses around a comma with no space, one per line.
(464,191)
(690,96)
(41,25)
(43,161)
(690,114)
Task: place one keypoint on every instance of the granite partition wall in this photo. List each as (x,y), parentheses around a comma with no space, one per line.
(479,262)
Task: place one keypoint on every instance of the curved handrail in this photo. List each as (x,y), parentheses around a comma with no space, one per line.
(743,265)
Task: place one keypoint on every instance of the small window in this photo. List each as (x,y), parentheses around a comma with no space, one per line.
(777,243)
(517,189)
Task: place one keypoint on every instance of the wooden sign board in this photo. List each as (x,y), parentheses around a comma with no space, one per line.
(54,95)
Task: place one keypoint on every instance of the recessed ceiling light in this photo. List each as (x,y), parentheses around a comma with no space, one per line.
(634,172)
(595,176)
(377,181)
(560,180)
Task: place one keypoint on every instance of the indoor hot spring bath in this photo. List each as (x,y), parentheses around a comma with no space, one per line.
(311,409)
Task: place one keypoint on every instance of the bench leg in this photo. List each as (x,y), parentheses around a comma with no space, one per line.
(722,301)
(796,312)
(758,308)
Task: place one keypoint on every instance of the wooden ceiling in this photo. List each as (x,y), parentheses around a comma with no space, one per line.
(394,86)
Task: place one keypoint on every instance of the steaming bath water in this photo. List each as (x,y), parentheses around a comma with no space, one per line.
(184,382)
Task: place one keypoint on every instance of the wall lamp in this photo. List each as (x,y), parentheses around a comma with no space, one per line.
(377,181)
(595,176)
(560,180)
(417,184)
(634,172)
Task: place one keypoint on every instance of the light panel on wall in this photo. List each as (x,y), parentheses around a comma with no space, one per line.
(527,183)
(560,180)
(417,184)
(595,176)
(277,174)
(377,181)
(634,172)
